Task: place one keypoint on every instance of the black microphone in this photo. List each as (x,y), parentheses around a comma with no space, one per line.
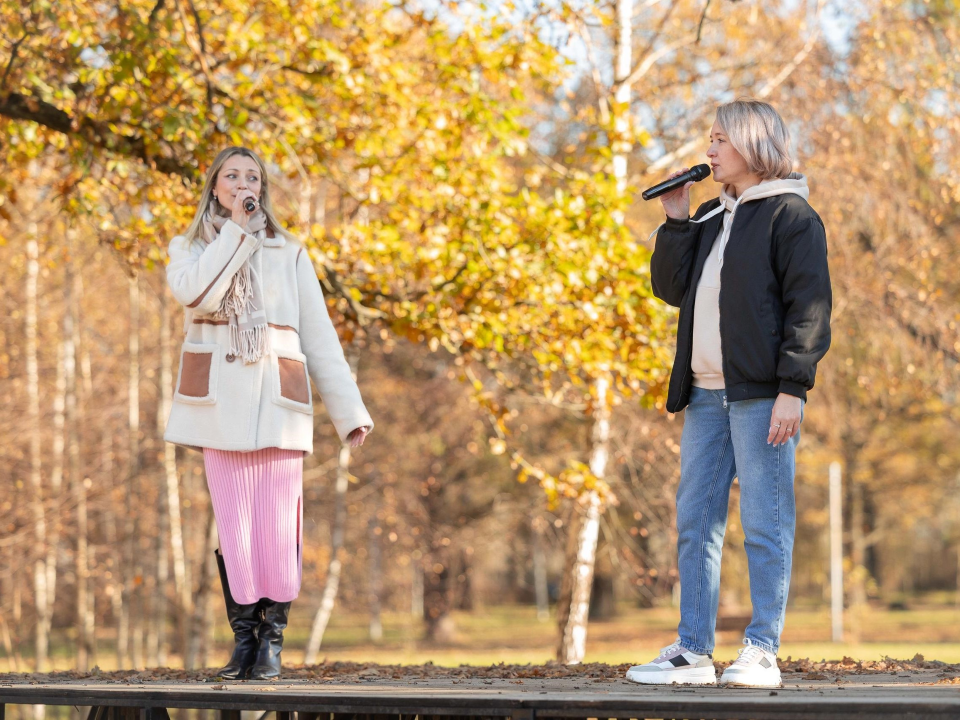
(696,173)
(250,204)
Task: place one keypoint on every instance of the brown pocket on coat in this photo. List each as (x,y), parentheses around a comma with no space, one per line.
(195,374)
(293,380)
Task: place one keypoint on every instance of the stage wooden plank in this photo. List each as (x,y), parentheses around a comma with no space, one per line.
(403,700)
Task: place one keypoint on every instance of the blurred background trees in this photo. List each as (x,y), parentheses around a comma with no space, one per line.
(463,178)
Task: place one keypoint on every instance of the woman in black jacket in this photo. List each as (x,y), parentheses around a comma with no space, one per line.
(749,274)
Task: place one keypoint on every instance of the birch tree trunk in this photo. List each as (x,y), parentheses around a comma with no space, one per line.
(8,586)
(320,204)
(376,577)
(56,476)
(114,588)
(540,571)
(173,524)
(84,393)
(416,589)
(157,645)
(206,599)
(208,603)
(623,50)
(196,642)
(130,610)
(180,579)
(332,582)
(583,533)
(42,640)
(77,480)
(306,195)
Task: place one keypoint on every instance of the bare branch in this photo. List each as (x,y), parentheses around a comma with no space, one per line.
(643,67)
(927,338)
(595,72)
(671,157)
(196,19)
(801,55)
(198,46)
(644,6)
(659,29)
(765,91)
(559,169)
(703,16)
(321,72)
(358,312)
(153,13)
(23,107)
(13,57)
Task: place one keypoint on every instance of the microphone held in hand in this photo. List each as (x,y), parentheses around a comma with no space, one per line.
(696,174)
(250,204)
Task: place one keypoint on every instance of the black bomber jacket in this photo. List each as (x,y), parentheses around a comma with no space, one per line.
(775,296)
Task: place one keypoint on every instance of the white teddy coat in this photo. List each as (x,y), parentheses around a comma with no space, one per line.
(220,402)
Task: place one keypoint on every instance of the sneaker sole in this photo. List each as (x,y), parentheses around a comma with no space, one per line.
(698,676)
(745,683)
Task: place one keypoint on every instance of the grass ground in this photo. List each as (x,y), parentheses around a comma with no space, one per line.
(513,635)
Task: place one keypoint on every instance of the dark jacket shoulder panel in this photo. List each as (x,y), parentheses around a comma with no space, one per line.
(792,210)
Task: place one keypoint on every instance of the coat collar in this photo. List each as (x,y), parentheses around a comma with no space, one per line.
(274,240)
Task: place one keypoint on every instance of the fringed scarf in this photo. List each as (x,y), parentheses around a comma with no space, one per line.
(243,304)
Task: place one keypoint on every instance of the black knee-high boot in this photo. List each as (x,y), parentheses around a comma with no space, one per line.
(244,621)
(270,634)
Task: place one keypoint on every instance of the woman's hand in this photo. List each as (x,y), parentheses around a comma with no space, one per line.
(240,216)
(676,203)
(785,419)
(356,437)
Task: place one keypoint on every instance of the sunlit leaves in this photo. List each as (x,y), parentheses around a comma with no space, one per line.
(449,231)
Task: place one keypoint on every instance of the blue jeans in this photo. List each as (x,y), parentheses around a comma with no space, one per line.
(722,440)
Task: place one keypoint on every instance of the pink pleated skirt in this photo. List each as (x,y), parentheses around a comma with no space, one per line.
(258,505)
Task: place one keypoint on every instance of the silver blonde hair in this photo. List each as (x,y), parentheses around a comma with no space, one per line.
(759,134)
(206,195)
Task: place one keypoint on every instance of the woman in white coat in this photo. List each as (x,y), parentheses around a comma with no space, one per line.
(257,331)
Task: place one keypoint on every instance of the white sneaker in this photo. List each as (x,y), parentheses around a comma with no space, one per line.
(675,664)
(754,667)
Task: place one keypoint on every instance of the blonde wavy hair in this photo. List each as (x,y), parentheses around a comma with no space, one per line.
(759,134)
(194,232)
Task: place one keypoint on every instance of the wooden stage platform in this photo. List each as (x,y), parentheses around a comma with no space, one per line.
(906,696)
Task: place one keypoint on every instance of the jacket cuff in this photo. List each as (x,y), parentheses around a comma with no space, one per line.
(345,427)
(231,231)
(675,224)
(793,388)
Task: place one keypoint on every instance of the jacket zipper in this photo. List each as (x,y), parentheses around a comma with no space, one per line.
(723,355)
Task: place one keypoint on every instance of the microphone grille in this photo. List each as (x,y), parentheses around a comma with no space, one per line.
(702,171)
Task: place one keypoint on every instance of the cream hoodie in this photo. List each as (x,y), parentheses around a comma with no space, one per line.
(707,360)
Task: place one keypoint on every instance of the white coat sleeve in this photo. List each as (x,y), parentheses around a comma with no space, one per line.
(326,364)
(199,274)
